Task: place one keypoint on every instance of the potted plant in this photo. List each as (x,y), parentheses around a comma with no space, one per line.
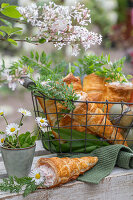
(17,149)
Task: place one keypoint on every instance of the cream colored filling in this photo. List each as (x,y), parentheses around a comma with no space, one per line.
(49,174)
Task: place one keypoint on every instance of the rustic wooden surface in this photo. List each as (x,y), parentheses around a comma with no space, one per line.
(117,186)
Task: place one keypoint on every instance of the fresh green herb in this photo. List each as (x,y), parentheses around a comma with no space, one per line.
(40,64)
(14,184)
(58,90)
(80,140)
(102,66)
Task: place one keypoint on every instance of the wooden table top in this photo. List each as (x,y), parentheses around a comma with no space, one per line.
(117,186)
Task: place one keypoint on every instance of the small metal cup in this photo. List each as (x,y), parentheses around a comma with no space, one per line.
(18,161)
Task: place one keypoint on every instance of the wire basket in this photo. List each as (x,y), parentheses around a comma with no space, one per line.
(81,132)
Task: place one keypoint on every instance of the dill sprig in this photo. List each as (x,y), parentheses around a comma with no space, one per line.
(56,90)
(17,185)
(102,66)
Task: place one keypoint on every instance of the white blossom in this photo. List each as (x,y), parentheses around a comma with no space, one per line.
(24,112)
(42,121)
(37,176)
(56,24)
(12,129)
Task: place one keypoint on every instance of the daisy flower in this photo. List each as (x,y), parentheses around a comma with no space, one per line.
(2,139)
(24,112)
(42,128)
(37,176)
(1,112)
(42,121)
(12,128)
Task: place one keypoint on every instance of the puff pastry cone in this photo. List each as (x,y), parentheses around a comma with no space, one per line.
(67,120)
(74,80)
(118,92)
(94,86)
(50,107)
(96,117)
(58,171)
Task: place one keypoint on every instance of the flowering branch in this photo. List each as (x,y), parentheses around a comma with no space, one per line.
(61,25)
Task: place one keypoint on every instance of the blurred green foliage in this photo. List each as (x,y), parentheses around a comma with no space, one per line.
(122,10)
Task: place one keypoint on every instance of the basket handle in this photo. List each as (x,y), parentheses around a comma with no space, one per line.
(27,81)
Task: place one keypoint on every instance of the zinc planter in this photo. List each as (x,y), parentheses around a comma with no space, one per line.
(18,161)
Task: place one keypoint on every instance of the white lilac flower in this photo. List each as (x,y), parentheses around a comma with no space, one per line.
(55,23)
(24,112)
(37,176)
(12,129)
(1,112)
(41,121)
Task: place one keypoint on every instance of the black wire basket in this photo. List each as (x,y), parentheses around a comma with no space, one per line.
(81,132)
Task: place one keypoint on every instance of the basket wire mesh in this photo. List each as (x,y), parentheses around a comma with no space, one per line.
(41,111)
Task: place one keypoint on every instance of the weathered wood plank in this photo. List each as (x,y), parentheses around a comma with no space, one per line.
(111,188)
(118,185)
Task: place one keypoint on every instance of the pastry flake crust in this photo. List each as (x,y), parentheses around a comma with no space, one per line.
(74,80)
(96,120)
(67,169)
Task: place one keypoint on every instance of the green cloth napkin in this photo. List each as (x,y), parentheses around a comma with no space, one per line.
(108,158)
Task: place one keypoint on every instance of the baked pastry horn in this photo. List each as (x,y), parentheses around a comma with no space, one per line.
(74,80)
(96,121)
(58,171)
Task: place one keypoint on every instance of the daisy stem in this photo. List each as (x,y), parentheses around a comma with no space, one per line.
(18,143)
(5,120)
(10,145)
(21,120)
(20,124)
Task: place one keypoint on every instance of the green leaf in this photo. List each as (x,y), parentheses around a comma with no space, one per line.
(80,140)
(25,145)
(6,22)
(43,58)
(1,33)
(37,56)
(2,133)
(129,76)
(42,40)
(11,11)
(10,30)
(3,5)
(109,58)
(32,54)
(12,41)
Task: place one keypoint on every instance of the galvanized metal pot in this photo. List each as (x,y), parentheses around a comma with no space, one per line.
(18,161)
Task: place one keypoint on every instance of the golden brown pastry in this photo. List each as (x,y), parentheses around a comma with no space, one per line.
(96,120)
(74,80)
(94,86)
(66,121)
(58,171)
(117,92)
(99,90)
(51,109)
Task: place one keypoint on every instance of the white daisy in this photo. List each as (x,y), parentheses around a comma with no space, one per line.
(2,139)
(42,128)
(24,112)
(37,176)
(12,128)
(42,121)
(1,112)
